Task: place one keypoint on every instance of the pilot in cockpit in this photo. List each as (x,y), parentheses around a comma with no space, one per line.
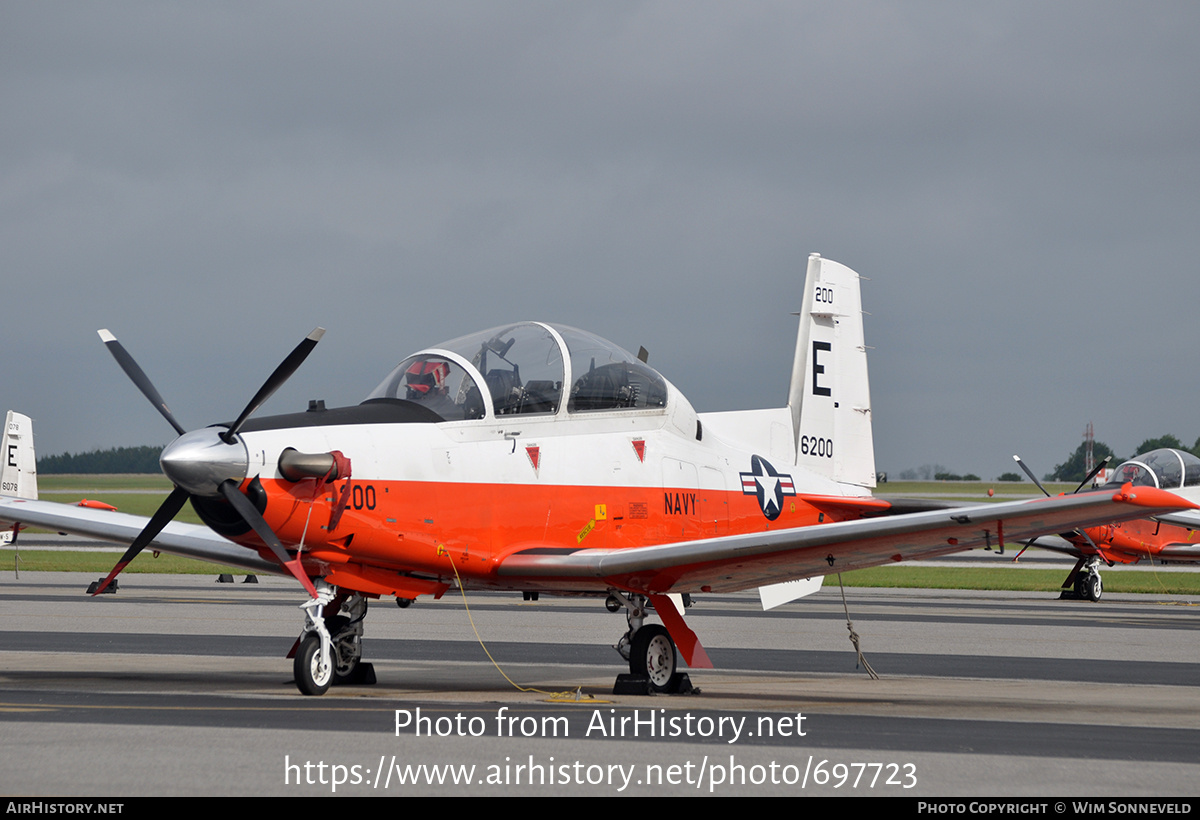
(425,383)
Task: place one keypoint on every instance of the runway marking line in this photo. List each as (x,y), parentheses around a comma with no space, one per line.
(52,707)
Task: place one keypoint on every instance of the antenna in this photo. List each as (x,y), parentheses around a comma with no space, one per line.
(1089,439)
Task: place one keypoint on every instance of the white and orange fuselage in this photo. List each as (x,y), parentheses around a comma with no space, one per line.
(474,492)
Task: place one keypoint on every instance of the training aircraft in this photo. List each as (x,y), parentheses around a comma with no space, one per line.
(540,458)
(1163,538)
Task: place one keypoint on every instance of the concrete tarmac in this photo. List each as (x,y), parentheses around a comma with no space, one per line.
(177,685)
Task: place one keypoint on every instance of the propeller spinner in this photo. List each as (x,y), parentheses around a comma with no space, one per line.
(211,461)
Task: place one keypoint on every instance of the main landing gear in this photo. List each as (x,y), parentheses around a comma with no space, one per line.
(1084,584)
(653,658)
(329,650)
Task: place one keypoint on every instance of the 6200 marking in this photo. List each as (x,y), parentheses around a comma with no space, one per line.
(816,446)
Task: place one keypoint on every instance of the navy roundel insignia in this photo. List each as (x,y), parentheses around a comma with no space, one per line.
(770,487)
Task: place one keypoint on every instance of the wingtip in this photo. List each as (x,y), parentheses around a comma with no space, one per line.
(1153,497)
(106,336)
(316,334)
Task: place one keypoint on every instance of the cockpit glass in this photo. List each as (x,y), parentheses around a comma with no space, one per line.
(608,377)
(436,383)
(523,373)
(1191,470)
(1131,473)
(1166,468)
(521,364)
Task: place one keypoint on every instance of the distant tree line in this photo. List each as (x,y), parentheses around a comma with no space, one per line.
(1070,470)
(116,460)
(1073,468)
(934,472)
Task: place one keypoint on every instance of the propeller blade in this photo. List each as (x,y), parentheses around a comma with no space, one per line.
(163,516)
(1028,544)
(276,380)
(250,514)
(139,378)
(1095,471)
(1029,473)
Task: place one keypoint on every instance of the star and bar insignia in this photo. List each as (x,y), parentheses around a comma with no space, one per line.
(770,487)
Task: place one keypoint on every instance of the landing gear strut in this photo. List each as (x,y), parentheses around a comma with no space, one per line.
(330,647)
(653,658)
(1087,585)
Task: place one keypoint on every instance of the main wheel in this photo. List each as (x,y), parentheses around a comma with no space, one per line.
(1093,587)
(653,655)
(312,678)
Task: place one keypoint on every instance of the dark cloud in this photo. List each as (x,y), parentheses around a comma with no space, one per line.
(212,180)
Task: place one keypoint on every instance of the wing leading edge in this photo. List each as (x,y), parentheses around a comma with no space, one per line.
(737,562)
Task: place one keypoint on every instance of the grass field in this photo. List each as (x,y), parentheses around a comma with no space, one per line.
(100,563)
(134,494)
(970,490)
(102,482)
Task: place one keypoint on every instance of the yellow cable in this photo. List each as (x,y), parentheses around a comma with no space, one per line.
(555,696)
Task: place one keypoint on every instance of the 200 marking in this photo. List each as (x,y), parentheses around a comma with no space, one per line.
(360,497)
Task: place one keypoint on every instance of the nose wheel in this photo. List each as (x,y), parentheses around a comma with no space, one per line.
(1084,582)
(330,648)
(313,672)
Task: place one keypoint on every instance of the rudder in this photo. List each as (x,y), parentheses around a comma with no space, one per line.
(18,465)
(829,396)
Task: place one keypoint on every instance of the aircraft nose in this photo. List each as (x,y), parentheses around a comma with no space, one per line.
(200,460)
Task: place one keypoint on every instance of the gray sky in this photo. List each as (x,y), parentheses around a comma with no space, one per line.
(1019,182)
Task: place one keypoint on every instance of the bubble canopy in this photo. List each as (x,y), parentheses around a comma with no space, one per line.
(1167,469)
(521,369)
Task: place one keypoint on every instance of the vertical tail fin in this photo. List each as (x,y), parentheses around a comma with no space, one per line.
(830,396)
(18,466)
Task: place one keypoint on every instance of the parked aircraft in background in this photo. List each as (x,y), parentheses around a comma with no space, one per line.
(540,458)
(18,467)
(1163,538)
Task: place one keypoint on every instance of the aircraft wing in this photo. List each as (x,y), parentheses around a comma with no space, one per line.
(1182,518)
(736,562)
(187,540)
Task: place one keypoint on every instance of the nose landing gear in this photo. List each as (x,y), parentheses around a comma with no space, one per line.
(330,647)
(1084,582)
